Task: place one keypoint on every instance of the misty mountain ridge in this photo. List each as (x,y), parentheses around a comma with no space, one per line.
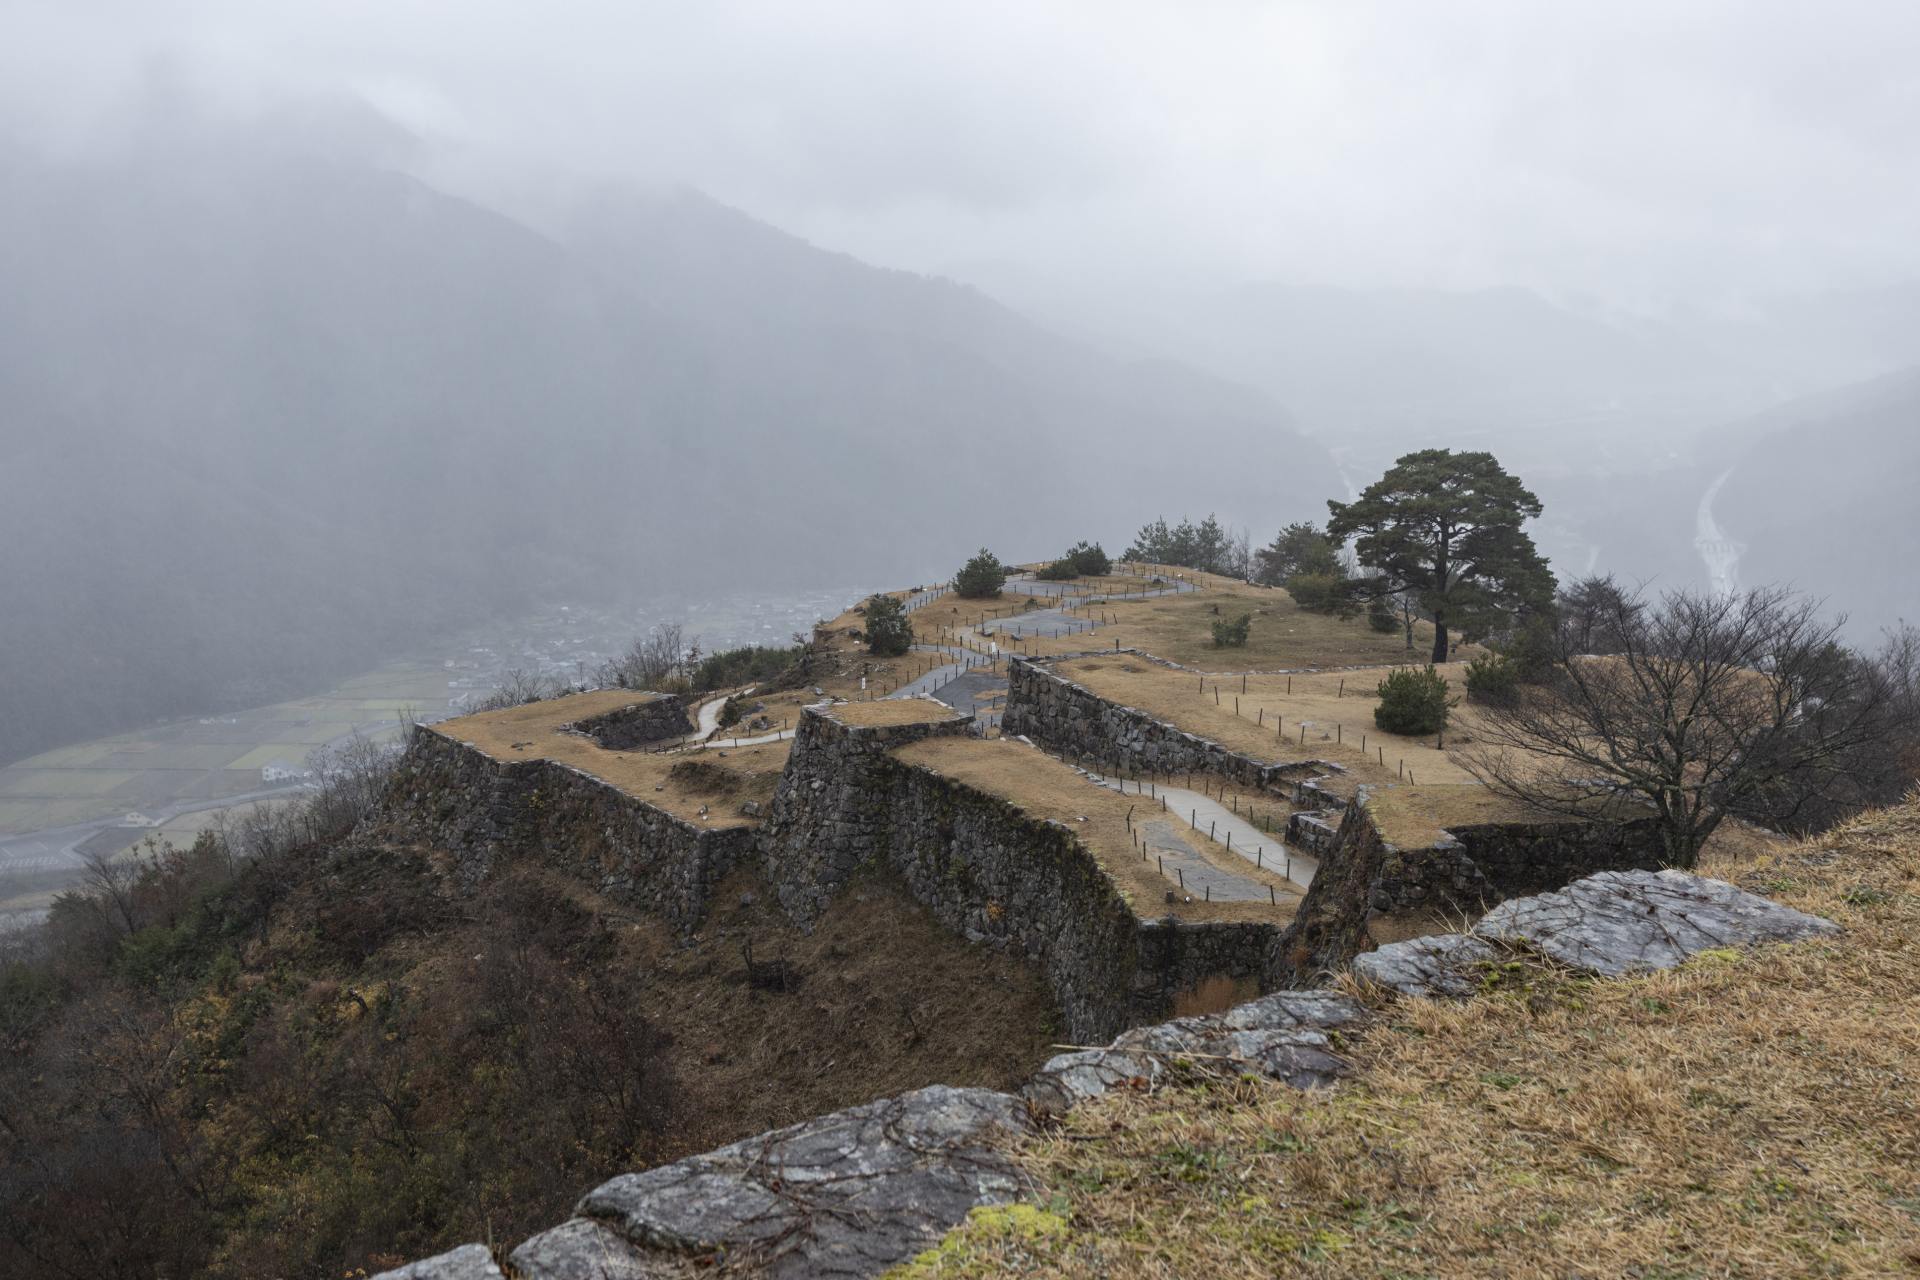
(305,410)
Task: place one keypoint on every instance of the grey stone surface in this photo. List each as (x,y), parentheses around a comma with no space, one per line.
(582,1249)
(848,1194)
(1283,1036)
(468,1262)
(1622,922)
(1610,924)
(1442,965)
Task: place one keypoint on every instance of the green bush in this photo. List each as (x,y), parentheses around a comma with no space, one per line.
(1382,616)
(1329,593)
(980,577)
(1413,702)
(1089,560)
(1058,571)
(751,664)
(889,634)
(1232,634)
(1493,679)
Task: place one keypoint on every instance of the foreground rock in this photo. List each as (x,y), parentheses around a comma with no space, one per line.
(1611,924)
(1282,1036)
(861,1190)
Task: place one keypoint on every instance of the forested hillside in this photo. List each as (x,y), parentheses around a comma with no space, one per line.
(292,410)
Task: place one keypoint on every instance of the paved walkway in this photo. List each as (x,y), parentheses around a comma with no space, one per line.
(1190,873)
(1203,813)
(1054,624)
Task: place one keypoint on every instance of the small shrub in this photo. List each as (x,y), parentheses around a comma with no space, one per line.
(750,664)
(1089,560)
(889,633)
(1058,571)
(1381,616)
(981,577)
(1493,679)
(1413,702)
(1232,633)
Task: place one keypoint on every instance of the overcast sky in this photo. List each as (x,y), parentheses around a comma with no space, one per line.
(1629,149)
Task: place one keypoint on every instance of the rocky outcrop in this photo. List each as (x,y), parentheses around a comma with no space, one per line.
(861,1190)
(483,811)
(1285,1036)
(1071,719)
(1610,925)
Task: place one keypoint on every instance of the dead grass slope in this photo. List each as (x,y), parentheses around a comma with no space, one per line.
(1749,1114)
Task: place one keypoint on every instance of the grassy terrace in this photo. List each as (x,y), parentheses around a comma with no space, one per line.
(893,711)
(1749,1114)
(1047,788)
(1180,628)
(682,784)
(1335,725)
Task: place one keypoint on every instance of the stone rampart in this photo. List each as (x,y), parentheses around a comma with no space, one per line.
(987,869)
(1066,716)
(485,812)
(639,725)
(1471,868)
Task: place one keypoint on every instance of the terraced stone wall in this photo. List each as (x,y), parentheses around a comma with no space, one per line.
(485,811)
(639,725)
(999,876)
(1471,869)
(1065,716)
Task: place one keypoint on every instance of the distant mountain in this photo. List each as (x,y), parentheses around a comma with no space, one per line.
(1822,491)
(268,414)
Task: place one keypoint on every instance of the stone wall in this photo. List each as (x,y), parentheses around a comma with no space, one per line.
(831,814)
(1468,870)
(1066,716)
(988,870)
(485,812)
(639,725)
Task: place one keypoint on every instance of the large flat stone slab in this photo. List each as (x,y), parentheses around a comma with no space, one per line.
(1611,924)
(1445,964)
(847,1194)
(1283,1036)
(468,1262)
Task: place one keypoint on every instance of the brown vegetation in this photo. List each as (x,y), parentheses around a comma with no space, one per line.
(1749,1114)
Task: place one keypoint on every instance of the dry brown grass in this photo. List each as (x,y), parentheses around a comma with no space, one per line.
(1047,788)
(893,711)
(1283,635)
(1750,1114)
(1337,726)
(533,732)
(1412,817)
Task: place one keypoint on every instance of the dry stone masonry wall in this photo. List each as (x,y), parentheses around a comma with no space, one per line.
(639,725)
(485,811)
(1469,869)
(989,870)
(1066,716)
(861,1190)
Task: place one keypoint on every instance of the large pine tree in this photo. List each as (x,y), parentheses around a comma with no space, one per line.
(1446,527)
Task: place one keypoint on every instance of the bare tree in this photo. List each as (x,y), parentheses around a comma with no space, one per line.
(1711,706)
(652,661)
(111,881)
(1586,610)
(1240,561)
(519,686)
